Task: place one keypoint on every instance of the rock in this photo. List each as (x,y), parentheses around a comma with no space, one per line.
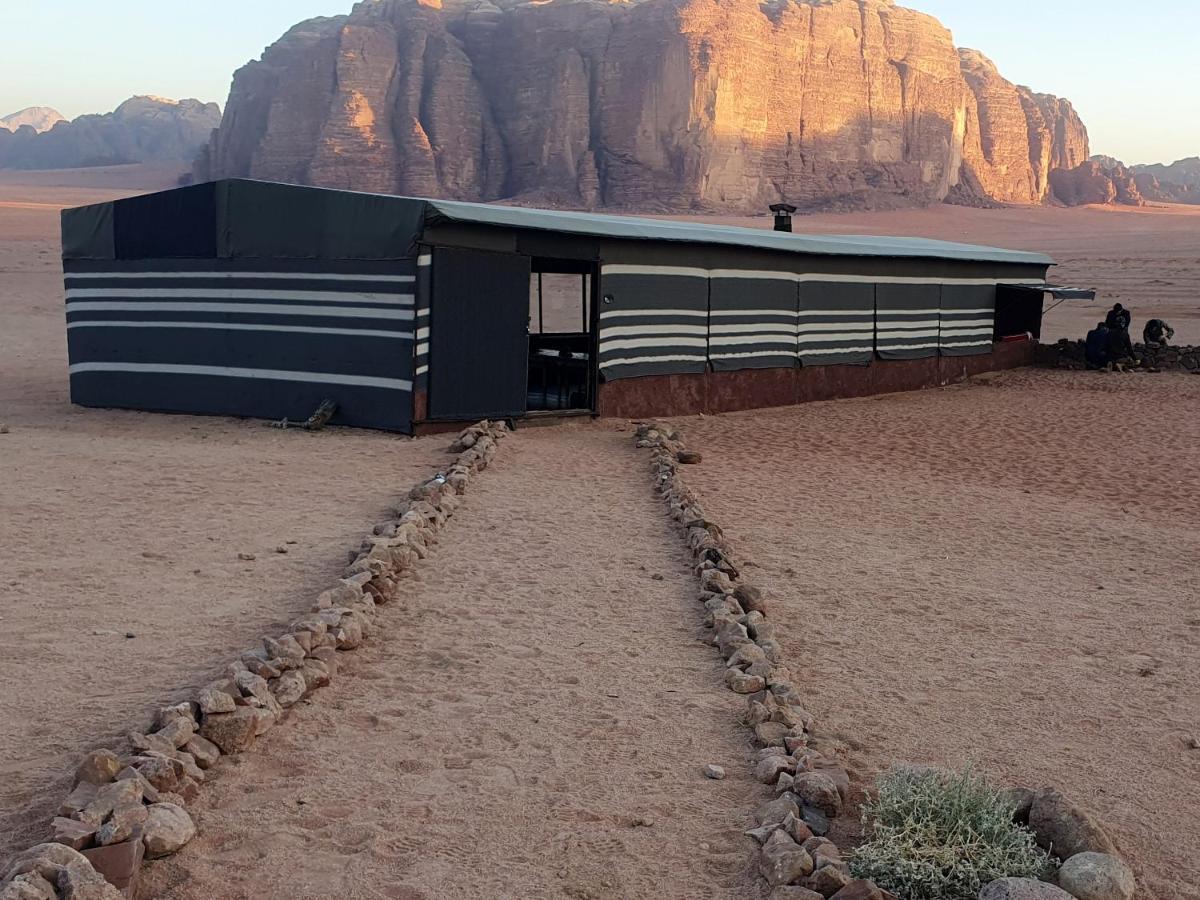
(289,688)
(252,685)
(155,742)
(1021,800)
(1097,876)
(74,834)
(168,714)
(163,773)
(83,794)
(1063,828)
(203,751)
(214,701)
(178,731)
(149,792)
(859,889)
(795,892)
(769,769)
(750,597)
(168,827)
(31,885)
(814,819)
(800,832)
(98,767)
(689,457)
(67,870)
(775,812)
(316,674)
(247,557)
(714,772)
(1022,889)
(897,115)
(121,824)
(783,861)
(119,863)
(741,683)
(819,790)
(232,732)
(108,798)
(771,734)
(826,880)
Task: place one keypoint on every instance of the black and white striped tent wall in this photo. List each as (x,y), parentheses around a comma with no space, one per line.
(674,320)
(268,338)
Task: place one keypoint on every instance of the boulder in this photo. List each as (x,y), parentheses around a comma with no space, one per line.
(819,790)
(795,892)
(783,861)
(30,886)
(769,769)
(79,798)
(1097,876)
(289,688)
(1022,889)
(119,863)
(178,731)
(98,767)
(1063,828)
(741,683)
(826,880)
(203,751)
(232,732)
(750,597)
(121,824)
(168,827)
(215,701)
(72,833)
(859,889)
(775,812)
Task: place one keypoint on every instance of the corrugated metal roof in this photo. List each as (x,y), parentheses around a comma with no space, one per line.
(637,228)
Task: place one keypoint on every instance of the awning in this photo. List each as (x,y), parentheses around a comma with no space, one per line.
(1055,291)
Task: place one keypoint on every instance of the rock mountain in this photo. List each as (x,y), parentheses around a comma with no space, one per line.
(647,104)
(1103,179)
(39,118)
(142,129)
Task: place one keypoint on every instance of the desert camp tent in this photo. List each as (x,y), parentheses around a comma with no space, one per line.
(256,299)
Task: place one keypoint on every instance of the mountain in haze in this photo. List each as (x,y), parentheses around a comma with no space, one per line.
(1105,179)
(142,129)
(39,118)
(668,105)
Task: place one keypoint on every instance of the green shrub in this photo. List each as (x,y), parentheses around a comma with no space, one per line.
(939,835)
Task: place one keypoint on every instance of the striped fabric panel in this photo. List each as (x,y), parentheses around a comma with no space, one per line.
(752,323)
(907,320)
(837,323)
(422,321)
(244,337)
(968,320)
(655,324)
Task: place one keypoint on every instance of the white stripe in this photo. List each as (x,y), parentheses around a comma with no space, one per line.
(236,294)
(908,347)
(686,271)
(821,351)
(421,370)
(299,276)
(422,348)
(785,340)
(753,312)
(749,355)
(829,277)
(633,360)
(642,313)
(239,326)
(964,332)
(622,330)
(630,343)
(850,327)
(967,344)
(764,328)
(909,312)
(425,259)
(838,312)
(270,309)
(423,334)
(397,384)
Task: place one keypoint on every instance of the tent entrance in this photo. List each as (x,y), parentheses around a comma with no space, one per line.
(562,342)
(479,342)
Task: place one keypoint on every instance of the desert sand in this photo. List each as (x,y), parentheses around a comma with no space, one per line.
(537,607)
(983,575)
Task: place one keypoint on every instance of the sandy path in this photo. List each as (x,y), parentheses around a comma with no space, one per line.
(958,581)
(537,695)
(116,522)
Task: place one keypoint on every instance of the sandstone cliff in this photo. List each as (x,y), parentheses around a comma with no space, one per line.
(142,129)
(649,104)
(39,118)
(1103,179)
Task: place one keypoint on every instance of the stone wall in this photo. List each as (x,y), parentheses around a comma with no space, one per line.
(130,804)
(1068,354)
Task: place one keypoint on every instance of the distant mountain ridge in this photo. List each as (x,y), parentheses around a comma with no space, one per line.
(39,118)
(1105,180)
(653,105)
(140,130)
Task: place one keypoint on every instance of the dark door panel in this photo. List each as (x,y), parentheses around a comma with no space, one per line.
(479,339)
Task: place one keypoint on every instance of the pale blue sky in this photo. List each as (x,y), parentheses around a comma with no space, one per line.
(1130,69)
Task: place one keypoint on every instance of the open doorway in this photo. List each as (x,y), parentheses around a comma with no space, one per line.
(561,340)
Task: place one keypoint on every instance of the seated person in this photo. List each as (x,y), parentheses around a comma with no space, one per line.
(1118,317)
(1095,348)
(1120,347)
(1157,333)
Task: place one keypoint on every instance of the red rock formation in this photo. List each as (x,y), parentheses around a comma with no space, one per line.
(1093,182)
(649,104)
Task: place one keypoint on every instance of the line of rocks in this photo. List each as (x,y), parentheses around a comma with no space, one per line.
(796,858)
(1068,354)
(132,805)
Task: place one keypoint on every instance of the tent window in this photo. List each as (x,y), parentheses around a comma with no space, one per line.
(559,302)
(561,346)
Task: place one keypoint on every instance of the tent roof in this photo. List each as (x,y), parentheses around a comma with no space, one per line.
(639,228)
(1055,291)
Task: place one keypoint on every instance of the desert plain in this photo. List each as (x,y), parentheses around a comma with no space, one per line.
(1002,573)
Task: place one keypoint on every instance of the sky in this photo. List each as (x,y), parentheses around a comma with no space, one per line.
(1130,70)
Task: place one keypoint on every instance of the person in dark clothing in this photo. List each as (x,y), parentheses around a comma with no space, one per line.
(1157,333)
(1119,342)
(1096,347)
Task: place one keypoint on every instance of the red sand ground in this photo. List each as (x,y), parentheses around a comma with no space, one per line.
(1002,573)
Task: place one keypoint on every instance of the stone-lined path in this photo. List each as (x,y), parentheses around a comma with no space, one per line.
(532,722)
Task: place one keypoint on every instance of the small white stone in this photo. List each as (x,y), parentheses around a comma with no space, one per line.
(714,772)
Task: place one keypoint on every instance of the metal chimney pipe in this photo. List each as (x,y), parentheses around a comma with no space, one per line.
(783,216)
